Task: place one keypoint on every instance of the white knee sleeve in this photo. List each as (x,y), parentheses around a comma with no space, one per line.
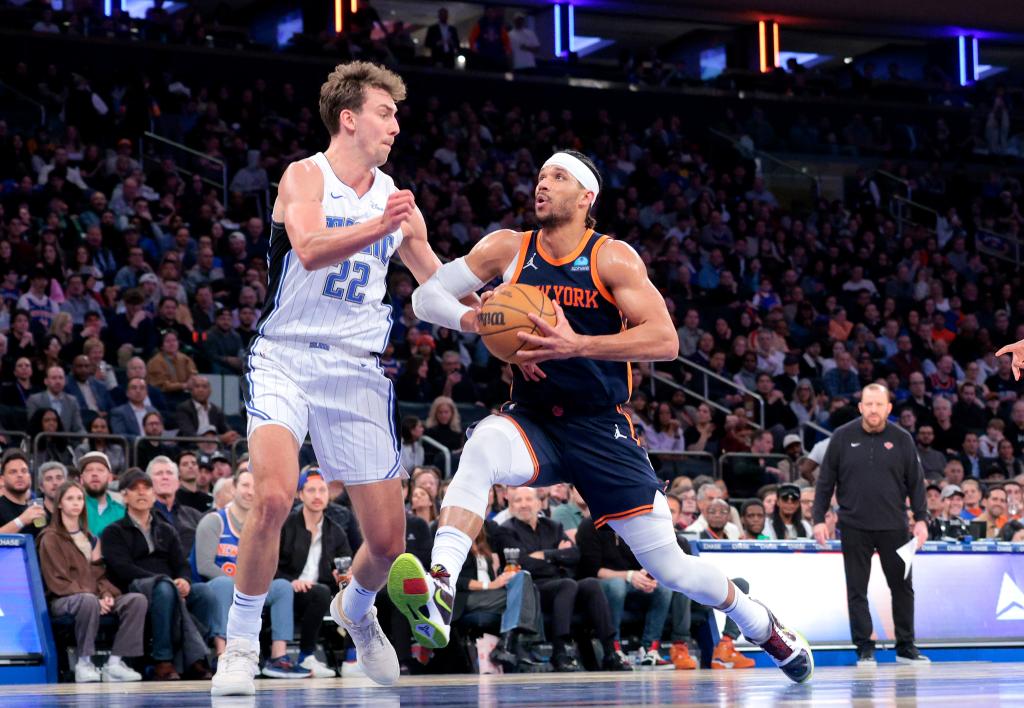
(494,454)
(652,539)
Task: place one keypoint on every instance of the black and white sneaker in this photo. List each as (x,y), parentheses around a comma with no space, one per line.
(866,657)
(912,656)
(426,599)
(788,649)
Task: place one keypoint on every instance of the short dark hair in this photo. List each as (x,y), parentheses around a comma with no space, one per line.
(9,456)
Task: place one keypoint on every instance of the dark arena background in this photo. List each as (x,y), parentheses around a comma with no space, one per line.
(826,195)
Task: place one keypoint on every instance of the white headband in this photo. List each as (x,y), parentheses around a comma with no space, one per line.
(575,167)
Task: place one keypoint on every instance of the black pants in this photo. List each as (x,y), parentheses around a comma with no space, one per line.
(559,596)
(858,547)
(310,608)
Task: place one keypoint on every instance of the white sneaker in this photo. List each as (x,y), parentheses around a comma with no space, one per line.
(118,672)
(86,673)
(318,668)
(374,652)
(352,669)
(236,669)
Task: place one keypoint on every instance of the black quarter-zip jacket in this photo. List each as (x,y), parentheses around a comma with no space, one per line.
(872,475)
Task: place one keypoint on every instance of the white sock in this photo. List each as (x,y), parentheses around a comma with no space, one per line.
(357,601)
(113,660)
(451,546)
(245,618)
(84,660)
(750,617)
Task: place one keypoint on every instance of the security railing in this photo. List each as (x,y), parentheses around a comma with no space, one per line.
(690,463)
(702,392)
(446,454)
(728,462)
(77,438)
(203,163)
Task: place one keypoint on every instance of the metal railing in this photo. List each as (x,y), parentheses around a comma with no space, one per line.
(21,436)
(445,453)
(725,463)
(174,440)
(111,437)
(706,374)
(779,174)
(822,430)
(17,96)
(679,460)
(905,211)
(185,149)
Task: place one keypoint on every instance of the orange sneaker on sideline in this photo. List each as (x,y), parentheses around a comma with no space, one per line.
(680,656)
(726,656)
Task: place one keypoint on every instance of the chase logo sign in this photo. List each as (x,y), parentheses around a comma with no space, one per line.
(1010,605)
(580,264)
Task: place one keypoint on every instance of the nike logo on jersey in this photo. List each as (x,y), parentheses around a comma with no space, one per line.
(530,263)
(618,433)
(854,444)
(336,196)
(571,296)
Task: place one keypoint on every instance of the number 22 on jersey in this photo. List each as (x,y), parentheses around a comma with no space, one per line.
(345,284)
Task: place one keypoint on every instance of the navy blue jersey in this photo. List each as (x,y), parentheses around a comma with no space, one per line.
(575,284)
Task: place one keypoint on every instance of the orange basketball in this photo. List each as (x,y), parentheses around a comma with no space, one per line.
(505,314)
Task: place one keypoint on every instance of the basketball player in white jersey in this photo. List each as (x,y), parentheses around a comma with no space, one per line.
(313,366)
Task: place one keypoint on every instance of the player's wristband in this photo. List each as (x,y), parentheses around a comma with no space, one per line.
(19,523)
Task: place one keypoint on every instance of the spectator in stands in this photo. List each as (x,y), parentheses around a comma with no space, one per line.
(1006,461)
(571,514)
(932,461)
(92,397)
(77,303)
(198,413)
(104,372)
(144,555)
(51,476)
(972,499)
(706,494)
(132,330)
(745,475)
(223,345)
(214,560)
(54,447)
(551,558)
(665,435)
(842,381)
(994,516)
(524,44)
(15,394)
(152,445)
(127,419)
(970,457)
(102,506)
(949,524)
(442,41)
(444,424)
(717,516)
(170,370)
(787,521)
(414,385)
(422,505)
(54,397)
(18,513)
(753,517)
(413,452)
(310,541)
(37,302)
(223,493)
(949,435)
(113,451)
(76,585)
(806,502)
(488,41)
(988,444)
(454,382)
(969,411)
(163,471)
(605,557)
(188,476)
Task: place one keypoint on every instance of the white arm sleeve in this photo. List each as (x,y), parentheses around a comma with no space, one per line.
(437,300)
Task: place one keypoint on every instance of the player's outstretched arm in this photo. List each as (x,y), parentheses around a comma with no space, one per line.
(437,300)
(1016,352)
(316,245)
(650,335)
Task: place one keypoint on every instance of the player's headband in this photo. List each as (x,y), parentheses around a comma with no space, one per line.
(575,167)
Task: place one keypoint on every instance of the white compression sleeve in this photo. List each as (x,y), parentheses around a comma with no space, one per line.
(437,300)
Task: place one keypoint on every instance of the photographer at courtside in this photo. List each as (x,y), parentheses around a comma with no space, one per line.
(873,468)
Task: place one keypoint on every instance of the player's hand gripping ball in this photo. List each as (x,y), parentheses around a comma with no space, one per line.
(506,313)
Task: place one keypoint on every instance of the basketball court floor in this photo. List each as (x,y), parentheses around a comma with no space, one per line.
(975,683)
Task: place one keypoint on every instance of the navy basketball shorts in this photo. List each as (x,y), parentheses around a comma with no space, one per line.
(597,452)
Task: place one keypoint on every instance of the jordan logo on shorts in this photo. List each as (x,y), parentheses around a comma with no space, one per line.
(530,263)
(618,433)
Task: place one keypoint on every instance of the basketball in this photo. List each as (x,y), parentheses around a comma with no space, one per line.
(506,314)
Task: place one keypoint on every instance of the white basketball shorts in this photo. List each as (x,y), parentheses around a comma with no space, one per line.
(344,402)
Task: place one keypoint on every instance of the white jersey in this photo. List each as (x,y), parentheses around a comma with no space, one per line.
(340,305)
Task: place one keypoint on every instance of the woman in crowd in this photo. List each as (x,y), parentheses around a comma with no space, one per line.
(46,420)
(422,504)
(412,446)
(113,451)
(76,584)
(414,384)
(786,520)
(444,424)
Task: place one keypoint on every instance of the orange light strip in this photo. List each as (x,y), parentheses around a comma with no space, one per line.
(337,16)
(354,6)
(775,38)
(762,49)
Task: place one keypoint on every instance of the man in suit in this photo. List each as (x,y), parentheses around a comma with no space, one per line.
(197,413)
(55,397)
(443,40)
(92,396)
(127,419)
(136,369)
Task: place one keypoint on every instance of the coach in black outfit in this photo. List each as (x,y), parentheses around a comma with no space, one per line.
(873,467)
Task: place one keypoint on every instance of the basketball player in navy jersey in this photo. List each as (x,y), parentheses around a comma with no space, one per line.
(564,422)
(313,366)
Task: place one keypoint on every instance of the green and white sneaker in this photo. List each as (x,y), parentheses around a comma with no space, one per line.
(425,599)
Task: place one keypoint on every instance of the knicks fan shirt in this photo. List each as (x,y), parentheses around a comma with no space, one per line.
(574,283)
(341,305)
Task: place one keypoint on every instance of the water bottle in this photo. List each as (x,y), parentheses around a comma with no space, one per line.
(342,565)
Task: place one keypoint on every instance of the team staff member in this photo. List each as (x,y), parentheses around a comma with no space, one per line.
(873,467)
